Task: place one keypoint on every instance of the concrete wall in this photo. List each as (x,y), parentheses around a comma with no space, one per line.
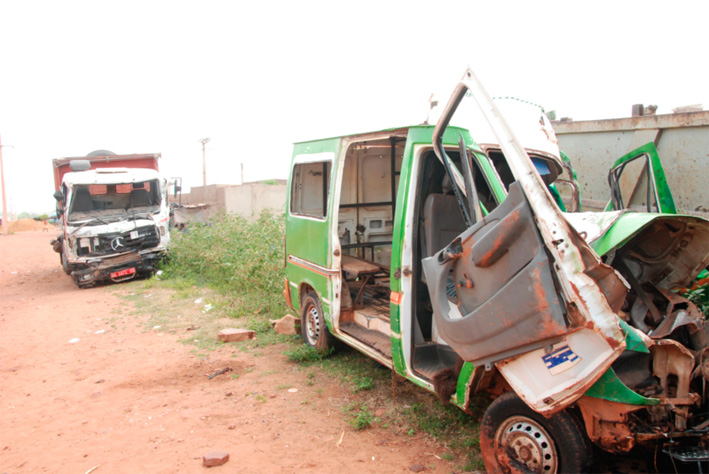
(682,141)
(247,199)
(251,199)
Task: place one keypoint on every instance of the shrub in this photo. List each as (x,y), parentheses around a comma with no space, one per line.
(241,259)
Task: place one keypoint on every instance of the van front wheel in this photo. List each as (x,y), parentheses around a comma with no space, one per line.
(514,439)
(312,323)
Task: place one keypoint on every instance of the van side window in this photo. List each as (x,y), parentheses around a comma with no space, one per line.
(310,188)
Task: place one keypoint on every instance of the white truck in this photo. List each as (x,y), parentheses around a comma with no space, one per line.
(114,216)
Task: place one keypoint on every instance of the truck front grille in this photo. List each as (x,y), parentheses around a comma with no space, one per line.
(140,238)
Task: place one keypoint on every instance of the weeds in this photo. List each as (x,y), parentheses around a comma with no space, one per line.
(306,354)
(240,259)
(363,383)
(358,415)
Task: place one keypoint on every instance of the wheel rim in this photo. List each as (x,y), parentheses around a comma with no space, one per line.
(525,441)
(312,324)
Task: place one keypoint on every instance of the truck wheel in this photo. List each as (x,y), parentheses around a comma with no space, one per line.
(514,439)
(312,325)
(65,263)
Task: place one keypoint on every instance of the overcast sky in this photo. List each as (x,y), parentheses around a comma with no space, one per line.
(156,76)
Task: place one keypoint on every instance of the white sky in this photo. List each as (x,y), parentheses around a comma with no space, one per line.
(155,76)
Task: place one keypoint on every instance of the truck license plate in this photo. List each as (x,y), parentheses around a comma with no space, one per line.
(120,273)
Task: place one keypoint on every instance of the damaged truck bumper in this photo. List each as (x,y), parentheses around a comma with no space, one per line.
(116,269)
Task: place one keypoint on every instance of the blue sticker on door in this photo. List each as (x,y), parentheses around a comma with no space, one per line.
(560,359)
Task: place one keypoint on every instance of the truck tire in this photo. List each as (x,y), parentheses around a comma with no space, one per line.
(65,263)
(313,327)
(515,439)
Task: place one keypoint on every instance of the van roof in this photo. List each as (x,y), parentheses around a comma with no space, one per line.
(363,134)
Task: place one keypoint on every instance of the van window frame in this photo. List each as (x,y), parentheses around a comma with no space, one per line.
(327,160)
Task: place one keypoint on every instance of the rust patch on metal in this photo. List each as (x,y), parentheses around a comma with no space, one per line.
(607,423)
(287,295)
(670,358)
(505,229)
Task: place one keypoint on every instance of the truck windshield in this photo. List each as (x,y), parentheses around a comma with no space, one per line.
(111,201)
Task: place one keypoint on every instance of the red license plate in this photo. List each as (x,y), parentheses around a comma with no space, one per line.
(120,273)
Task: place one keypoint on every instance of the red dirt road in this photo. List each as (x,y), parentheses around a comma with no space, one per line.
(124,400)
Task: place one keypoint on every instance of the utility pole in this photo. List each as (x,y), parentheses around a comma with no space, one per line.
(204,142)
(4,201)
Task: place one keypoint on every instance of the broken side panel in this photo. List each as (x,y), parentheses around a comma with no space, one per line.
(498,287)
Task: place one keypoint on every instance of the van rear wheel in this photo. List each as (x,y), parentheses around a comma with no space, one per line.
(515,439)
(312,325)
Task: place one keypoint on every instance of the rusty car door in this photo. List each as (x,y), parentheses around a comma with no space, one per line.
(520,290)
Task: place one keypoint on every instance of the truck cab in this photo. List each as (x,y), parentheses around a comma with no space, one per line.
(453,265)
(114,220)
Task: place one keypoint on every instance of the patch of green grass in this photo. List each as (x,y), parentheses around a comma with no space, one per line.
(363,383)
(356,370)
(358,415)
(306,354)
(449,425)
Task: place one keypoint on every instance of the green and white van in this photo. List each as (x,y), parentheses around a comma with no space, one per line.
(453,265)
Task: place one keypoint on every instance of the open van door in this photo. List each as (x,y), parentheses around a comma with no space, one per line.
(520,289)
(637,179)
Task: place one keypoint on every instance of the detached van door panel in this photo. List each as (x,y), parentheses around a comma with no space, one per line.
(504,300)
(638,179)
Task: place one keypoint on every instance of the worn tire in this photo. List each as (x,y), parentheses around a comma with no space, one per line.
(312,323)
(515,439)
(65,263)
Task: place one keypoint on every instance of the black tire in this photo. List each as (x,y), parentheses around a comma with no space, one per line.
(515,439)
(312,323)
(65,263)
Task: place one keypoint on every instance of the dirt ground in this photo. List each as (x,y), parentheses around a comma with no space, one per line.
(85,388)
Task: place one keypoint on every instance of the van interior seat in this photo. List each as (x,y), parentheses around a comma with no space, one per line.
(442,222)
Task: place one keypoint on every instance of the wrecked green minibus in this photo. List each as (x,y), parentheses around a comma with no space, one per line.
(411,246)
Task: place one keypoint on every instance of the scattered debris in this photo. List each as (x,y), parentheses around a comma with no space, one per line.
(292,390)
(192,328)
(100,331)
(74,340)
(288,324)
(208,307)
(236,335)
(219,372)
(92,469)
(215,458)
(342,436)
(198,301)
